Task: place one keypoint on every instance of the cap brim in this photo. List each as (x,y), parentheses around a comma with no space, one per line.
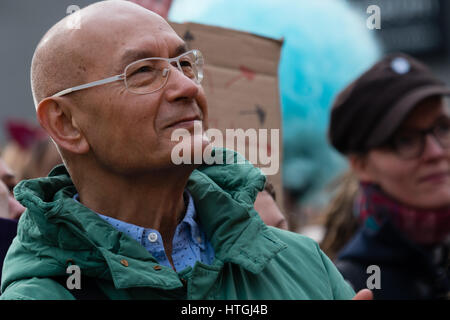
(392,120)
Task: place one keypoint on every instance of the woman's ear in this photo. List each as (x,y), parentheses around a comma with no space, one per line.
(55,117)
(361,167)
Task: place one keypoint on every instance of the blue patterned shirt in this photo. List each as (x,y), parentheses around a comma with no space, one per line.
(188,246)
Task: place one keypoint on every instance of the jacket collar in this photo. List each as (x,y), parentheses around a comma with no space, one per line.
(233,226)
(223,196)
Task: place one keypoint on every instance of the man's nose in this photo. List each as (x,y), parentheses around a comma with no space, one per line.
(433,148)
(179,86)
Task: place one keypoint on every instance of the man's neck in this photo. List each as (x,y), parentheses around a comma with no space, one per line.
(154,200)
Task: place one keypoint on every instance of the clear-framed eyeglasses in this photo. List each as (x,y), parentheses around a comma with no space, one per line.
(410,144)
(150,74)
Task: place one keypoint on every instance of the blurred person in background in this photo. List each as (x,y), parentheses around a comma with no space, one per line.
(30,152)
(268,210)
(10,210)
(44,157)
(341,223)
(393,124)
(21,138)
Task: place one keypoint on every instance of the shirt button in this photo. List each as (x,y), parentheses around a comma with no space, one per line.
(152,237)
(124,262)
(199,239)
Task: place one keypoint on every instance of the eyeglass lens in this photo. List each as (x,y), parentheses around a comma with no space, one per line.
(149,75)
(412,143)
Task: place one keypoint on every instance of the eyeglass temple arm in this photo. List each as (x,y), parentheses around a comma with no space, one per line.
(89,85)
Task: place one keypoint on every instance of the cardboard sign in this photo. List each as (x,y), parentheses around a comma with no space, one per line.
(241,85)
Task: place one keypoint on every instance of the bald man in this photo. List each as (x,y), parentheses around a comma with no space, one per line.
(119,217)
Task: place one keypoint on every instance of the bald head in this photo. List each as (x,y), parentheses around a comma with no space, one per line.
(92,126)
(66,57)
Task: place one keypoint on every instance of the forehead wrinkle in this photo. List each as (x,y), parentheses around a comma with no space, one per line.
(132,55)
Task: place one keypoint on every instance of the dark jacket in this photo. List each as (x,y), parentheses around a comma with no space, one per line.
(8,230)
(252,260)
(407,271)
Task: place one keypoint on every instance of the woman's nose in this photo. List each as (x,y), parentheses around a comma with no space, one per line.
(433,149)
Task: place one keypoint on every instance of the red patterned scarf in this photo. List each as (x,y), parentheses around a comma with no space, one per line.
(424,227)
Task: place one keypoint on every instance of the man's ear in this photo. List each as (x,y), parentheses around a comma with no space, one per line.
(360,166)
(57,120)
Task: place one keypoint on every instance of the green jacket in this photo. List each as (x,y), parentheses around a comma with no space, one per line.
(252,260)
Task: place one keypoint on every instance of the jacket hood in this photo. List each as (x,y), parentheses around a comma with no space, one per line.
(56,231)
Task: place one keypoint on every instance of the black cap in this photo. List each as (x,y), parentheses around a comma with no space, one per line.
(367,112)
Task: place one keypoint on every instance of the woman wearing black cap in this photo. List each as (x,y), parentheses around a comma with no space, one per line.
(393,124)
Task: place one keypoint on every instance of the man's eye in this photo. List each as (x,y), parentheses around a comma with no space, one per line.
(140,69)
(187,64)
(144,69)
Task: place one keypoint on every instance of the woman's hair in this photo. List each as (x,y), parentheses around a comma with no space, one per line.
(33,162)
(340,221)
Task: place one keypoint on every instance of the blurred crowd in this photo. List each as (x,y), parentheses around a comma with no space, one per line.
(388,204)
(29,154)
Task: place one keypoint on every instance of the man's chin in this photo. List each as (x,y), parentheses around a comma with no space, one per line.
(190,149)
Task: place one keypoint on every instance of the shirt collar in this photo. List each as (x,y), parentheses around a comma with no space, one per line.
(189,219)
(136,232)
